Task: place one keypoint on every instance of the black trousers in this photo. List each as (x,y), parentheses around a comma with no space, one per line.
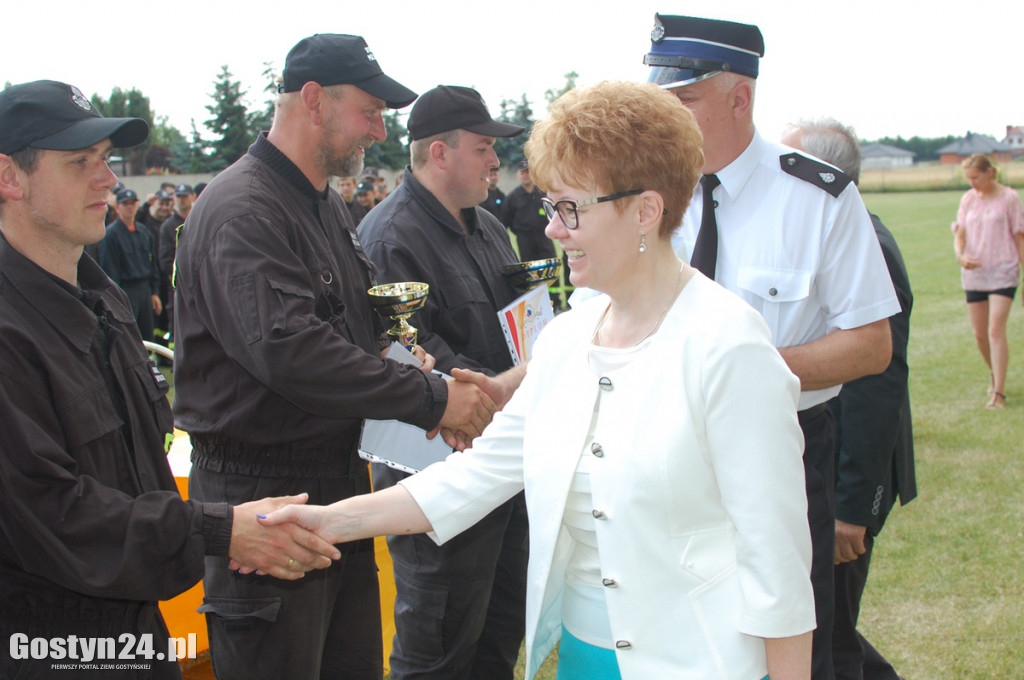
(460,608)
(819,470)
(853,656)
(141,300)
(325,625)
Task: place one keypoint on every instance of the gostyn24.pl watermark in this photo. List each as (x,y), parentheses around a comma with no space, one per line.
(125,648)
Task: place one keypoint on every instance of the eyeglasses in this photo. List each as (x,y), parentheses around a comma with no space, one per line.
(568,210)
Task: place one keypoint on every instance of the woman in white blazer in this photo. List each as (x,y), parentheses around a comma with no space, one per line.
(655,432)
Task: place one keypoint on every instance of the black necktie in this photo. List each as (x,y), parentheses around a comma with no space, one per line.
(705,250)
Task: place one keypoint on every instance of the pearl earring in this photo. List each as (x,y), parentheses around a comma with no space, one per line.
(643,242)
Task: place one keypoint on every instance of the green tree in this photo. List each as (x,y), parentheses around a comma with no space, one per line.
(393,152)
(230,122)
(262,120)
(925,148)
(128,104)
(168,143)
(510,149)
(194,155)
(570,83)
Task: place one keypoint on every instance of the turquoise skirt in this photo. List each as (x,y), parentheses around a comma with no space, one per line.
(578,660)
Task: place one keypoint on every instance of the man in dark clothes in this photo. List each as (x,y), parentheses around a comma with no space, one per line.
(152,215)
(278,362)
(875,452)
(495,201)
(184,197)
(126,255)
(525,216)
(347,189)
(95,532)
(431,230)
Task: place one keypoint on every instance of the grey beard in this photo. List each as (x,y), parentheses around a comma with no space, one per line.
(349,166)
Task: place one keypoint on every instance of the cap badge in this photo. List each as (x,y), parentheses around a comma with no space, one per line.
(657,33)
(827,177)
(369,54)
(79,99)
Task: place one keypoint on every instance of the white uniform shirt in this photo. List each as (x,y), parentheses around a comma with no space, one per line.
(808,262)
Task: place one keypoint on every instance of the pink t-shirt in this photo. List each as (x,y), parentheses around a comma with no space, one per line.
(989,225)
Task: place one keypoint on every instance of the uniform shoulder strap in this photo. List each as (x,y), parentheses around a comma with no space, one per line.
(819,174)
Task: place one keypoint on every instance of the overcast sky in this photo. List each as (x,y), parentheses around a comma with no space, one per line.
(886,67)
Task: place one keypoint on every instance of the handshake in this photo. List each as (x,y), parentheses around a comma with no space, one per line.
(286,538)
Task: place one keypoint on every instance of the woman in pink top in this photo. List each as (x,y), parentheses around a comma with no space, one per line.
(989,245)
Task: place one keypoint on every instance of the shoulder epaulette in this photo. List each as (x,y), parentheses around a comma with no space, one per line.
(819,174)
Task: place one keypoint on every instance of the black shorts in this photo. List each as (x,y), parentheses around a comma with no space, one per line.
(982,295)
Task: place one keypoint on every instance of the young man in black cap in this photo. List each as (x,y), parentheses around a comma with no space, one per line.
(431,230)
(167,246)
(346,186)
(525,216)
(791,236)
(495,201)
(95,532)
(126,255)
(278,361)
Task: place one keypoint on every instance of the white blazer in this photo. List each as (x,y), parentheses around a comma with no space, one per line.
(698,489)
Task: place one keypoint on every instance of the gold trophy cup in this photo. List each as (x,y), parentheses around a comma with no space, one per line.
(525,276)
(399,301)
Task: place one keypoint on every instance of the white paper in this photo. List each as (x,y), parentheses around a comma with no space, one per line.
(401,445)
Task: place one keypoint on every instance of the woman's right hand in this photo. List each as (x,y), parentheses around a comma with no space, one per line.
(968,261)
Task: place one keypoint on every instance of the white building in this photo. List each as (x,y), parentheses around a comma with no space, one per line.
(875,155)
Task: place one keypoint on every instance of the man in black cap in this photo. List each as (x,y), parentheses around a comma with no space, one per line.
(126,255)
(366,196)
(495,201)
(525,216)
(791,236)
(152,214)
(278,362)
(95,531)
(346,186)
(167,246)
(431,230)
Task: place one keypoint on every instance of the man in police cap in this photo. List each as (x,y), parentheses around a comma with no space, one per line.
(278,361)
(792,237)
(94,529)
(432,229)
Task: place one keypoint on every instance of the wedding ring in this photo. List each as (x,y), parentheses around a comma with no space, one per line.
(291,563)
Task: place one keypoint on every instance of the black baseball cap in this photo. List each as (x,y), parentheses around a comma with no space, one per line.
(365,187)
(334,59)
(125,195)
(183,190)
(47,114)
(450,107)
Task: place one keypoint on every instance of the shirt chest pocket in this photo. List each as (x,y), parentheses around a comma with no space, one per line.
(771,288)
(87,415)
(460,291)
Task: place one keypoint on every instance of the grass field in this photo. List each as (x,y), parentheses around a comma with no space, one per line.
(946,593)
(945,600)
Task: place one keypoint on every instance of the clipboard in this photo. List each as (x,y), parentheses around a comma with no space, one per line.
(400,445)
